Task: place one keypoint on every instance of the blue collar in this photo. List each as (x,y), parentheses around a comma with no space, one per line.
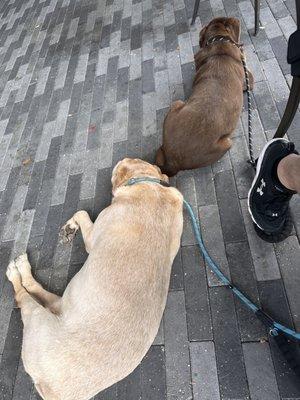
(133,181)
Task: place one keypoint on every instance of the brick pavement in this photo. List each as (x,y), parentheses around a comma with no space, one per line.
(84,83)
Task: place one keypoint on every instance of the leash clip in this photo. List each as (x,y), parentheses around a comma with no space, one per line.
(273,332)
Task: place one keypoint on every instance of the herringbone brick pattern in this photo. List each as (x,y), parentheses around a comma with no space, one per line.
(84,83)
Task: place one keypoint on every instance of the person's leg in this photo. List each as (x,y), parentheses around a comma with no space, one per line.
(288,172)
(276,180)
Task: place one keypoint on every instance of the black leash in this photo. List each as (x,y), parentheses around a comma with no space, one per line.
(250,134)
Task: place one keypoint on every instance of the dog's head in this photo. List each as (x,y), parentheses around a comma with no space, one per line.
(134,168)
(221,26)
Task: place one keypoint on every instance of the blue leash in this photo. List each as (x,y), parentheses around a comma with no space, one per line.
(274,327)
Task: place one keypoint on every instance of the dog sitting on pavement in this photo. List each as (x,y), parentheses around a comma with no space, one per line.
(100,329)
(198,132)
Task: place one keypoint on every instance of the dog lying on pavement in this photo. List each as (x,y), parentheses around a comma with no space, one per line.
(198,132)
(100,329)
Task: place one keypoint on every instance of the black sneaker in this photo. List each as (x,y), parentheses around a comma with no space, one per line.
(268,199)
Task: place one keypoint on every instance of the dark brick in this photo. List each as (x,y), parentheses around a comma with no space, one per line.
(89,79)
(11,355)
(181,21)
(9,192)
(188,71)
(135,119)
(105,36)
(34,185)
(242,274)
(122,84)
(117,19)
(176,280)
(205,12)
(54,105)
(230,213)
(69,135)
(136,37)
(52,159)
(148,76)
(112,71)
(98,94)
(93,140)
(230,364)
(171,38)
(5,253)
(72,197)
(103,190)
(50,238)
(33,249)
(28,98)
(76,97)
(154,374)
(196,296)
(130,387)
(274,303)
(42,208)
(125,29)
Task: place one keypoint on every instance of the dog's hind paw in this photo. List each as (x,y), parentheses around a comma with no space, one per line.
(68,231)
(12,272)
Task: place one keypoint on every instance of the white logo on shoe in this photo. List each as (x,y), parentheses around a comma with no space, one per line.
(262,185)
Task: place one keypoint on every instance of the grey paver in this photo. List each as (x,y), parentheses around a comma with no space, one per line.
(276,80)
(260,371)
(204,371)
(287,252)
(231,372)
(214,241)
(177,348)
(231,218)
(196,295)
(263,255)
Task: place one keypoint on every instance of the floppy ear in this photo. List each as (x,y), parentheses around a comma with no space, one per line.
(119,175)
(235,26)
(202,36)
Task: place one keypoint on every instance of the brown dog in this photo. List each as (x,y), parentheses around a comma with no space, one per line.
(198,132)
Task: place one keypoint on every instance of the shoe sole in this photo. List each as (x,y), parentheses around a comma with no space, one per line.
(258,168)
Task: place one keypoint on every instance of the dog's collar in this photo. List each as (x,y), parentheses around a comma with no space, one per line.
(221,38)
(149,179)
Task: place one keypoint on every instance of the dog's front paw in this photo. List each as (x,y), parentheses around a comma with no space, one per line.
(68,231)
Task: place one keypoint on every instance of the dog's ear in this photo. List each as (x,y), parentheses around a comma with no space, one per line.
(202,36)
(235,27)
(119,174)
